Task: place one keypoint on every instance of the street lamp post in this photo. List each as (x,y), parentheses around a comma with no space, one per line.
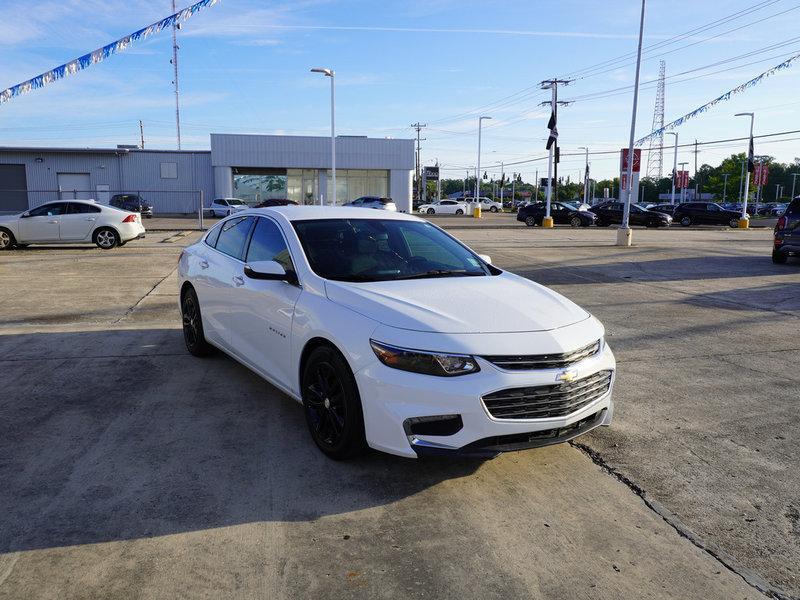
(624,234)
(478,166)
(331,73)
(586,176)
(725,187)
(744,220)
(674,166)
(794,176)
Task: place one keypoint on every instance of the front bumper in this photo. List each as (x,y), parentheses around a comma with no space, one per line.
(392,398)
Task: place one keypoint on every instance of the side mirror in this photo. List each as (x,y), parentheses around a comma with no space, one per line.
(25,215)
(269,270)
(485,258)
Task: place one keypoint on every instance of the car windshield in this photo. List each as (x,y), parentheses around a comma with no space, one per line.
(362,250)
(234,201)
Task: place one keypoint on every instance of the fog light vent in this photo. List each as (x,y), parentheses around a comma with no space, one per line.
(435,425)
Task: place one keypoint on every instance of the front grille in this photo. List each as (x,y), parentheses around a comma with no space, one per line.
(543,361)
(543,401)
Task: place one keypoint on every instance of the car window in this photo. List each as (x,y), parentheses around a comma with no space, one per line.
(233,235)
(361,250)
(211,236)
(712,207)
(77,208)
(49,210)
(222,202)
(450,202)
(267,243)
(235,202)
(356,202)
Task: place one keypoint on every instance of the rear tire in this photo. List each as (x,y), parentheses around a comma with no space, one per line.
(7,240)
(778,257)
(332,405)
(193,334)
(459,212)
(575,222)
(734,223)
(530,221)
(686,221)
(493,209)
(106,238)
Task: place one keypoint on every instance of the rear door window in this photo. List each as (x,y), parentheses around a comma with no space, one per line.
(76,208)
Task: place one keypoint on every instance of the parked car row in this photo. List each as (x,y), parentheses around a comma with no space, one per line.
(602,215)
(70,222)
(459,207)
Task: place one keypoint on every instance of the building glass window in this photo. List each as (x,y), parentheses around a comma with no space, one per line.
(354,183)
(253,186)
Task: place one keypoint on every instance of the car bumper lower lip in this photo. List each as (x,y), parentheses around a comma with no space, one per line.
(392,398)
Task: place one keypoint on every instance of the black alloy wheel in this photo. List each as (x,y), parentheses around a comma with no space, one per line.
(575,221)
(734,223)
(332,405)
(431,211)
(686,221)
(530,221)
(193,334)
(459,211)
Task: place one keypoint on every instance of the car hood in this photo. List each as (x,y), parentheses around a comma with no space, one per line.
(492,304)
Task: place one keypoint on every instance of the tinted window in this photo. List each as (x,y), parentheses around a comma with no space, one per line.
(232,236)
(76,208)
(49,210)
(211,237)
(267,243)
(383,250)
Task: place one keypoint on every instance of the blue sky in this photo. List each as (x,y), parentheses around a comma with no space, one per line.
(244,68)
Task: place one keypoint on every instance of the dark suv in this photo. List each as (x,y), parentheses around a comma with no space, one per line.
(787,233)
(133,203)
(611,212)
(705,213)
(563,214)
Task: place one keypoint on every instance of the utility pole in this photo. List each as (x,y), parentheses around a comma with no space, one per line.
(725,187)
(553,156)
(741,180)
(174,61)
(502,180)
(513,188)
(418,126)
(696,176)
(794,176)
(586,176)
(141,134)
(464,193)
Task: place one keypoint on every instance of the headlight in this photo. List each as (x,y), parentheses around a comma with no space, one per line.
(427,363)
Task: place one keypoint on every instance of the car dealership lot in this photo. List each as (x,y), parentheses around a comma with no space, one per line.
(135,470)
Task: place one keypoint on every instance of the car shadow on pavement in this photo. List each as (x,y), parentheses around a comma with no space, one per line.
(776,297)
(115,435)
(628,268)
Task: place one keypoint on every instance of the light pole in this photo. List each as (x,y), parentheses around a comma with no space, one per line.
(585,176)
(725,187)
(794,176)
(741,179)
(683,187)
(624,234)
(744,220)
(330,73)
(674,166)
(478,166)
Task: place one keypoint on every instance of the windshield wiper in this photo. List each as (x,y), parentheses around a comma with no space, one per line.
(443,273)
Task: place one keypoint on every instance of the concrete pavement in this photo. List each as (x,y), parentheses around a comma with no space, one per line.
(134,470)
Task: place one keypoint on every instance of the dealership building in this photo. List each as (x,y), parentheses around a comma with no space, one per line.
(250,167)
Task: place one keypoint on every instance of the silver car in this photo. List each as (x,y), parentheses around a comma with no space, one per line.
(373,202)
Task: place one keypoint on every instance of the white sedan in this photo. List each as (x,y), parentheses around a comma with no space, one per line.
(71,222)
(222,207)
(368,319)
(444,207)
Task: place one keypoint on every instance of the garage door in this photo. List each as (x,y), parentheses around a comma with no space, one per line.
(72,186)
(13,186)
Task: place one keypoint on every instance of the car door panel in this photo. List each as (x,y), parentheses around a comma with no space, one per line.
(76,225)
(43,223)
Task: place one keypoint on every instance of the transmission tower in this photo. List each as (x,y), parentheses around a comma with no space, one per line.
(655,155)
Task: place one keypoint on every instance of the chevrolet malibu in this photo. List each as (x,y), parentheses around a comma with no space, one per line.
(378,324)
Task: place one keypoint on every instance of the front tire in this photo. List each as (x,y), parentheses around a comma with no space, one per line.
(575,221)
(106,238)
(459,212)
(530,221)
(6,239)
(193,334)
(332,405)
(734,223)
(430,211)
(493,209)
(778,257)
(686,221)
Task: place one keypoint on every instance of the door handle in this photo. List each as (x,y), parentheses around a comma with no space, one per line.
(238,280)
(90,218)
(54,222)
(203,264)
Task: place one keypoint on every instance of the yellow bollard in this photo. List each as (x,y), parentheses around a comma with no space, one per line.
(744,223)
(547,222)
(477,211)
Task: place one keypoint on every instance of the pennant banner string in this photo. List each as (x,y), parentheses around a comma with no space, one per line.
(726,96)
(75,65)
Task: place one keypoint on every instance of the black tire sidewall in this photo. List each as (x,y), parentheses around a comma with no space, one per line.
(353,439)
(686,221)
(201,347)
(530,221)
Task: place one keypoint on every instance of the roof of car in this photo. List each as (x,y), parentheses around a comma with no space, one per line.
(308,213)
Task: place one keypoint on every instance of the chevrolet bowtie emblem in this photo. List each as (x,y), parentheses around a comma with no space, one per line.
(567,376)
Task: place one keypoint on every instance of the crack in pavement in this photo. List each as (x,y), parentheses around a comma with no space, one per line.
(133,308)
(752,579)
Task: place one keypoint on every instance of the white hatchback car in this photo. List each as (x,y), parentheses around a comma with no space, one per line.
(70,222)
(222,207)
(368,319)
(444,207)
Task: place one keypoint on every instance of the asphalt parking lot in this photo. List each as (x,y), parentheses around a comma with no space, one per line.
(132,470)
